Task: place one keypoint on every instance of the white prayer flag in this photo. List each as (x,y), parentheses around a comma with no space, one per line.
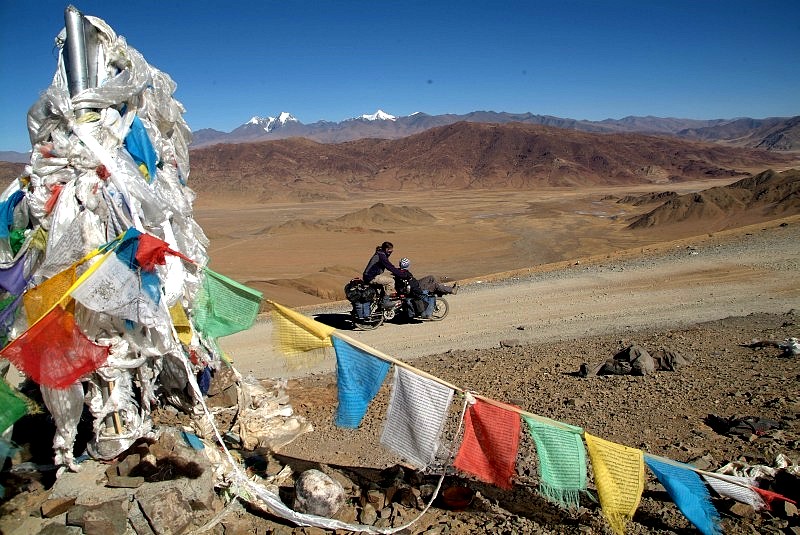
(69,246)
(117,290)
(735,487)
(417,411)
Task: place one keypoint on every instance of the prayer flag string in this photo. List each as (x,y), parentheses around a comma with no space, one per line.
(618,469)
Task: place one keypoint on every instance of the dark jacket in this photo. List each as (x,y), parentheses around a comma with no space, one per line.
(406,278)
(378,264)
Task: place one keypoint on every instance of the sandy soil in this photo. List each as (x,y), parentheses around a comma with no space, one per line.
(669,285)
(475,233)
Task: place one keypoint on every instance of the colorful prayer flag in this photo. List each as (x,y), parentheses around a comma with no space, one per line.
(117,290)
(619,477)
(8,313)
(359,377)
(12,406)
(152,251)
(223,306)
(738,488)
(768,496)
(12,278)
(54,352)
(298,333)
(39,299)
(127,251)
(489,447)
(139,146)
(417,411)
(7,212)
(562,461)
(181,323)
(688,492)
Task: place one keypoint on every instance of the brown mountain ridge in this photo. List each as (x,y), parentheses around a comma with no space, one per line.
(765,196)
(464,156)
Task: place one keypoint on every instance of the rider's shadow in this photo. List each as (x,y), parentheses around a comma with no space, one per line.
(337,321)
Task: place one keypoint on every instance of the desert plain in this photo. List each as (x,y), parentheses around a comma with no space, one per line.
(303,253)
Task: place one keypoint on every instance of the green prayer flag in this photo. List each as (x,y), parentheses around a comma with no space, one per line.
(562,461)
(223,306)
(12,406)
(16,239)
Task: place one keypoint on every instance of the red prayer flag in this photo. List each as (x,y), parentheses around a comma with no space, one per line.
(54,352)
(55,191)
(150,252)
(769,497)
(491,441)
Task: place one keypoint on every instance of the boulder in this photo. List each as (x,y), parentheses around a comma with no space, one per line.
(318,494)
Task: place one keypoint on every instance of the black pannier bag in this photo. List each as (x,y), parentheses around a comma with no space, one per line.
(358,291)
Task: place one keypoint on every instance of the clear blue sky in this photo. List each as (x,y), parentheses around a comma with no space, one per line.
(336,59)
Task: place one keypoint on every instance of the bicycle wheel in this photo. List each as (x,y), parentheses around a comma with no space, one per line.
(440,309)
(374,320)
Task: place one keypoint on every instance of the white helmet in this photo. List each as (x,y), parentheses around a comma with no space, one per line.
(404,263)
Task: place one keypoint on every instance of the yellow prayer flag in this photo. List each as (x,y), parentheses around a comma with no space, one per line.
(319,330)
(39,239)
(40,299)
(297,333)
(181,323)
(619,477)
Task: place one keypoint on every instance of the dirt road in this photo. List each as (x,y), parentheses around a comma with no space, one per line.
(672,285)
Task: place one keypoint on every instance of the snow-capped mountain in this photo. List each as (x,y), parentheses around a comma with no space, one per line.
(379,115)
(268,124)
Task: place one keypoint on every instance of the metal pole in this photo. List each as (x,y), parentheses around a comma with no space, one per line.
(92,46)
(75,53)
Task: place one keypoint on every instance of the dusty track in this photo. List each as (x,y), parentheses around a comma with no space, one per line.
(671,285)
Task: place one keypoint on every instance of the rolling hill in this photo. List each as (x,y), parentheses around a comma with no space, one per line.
(765,196)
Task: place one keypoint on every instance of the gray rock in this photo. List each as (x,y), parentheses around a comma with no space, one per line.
(318,494)
(56,506)
(198,493)
(788,509)
(107,518)
(86,486)
(368,515)
(346,483)
(167,512)
(138,521)
(742,510)
(60,529)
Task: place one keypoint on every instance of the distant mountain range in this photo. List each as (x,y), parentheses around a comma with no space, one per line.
(469,155)
(465,155)
(773,133)
(14,157)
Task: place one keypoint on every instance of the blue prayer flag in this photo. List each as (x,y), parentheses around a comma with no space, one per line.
(359,376)
(688,492)
(7,212)
(138,144)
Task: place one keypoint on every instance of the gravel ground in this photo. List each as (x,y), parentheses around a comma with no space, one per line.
(704,298)
(663,414)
